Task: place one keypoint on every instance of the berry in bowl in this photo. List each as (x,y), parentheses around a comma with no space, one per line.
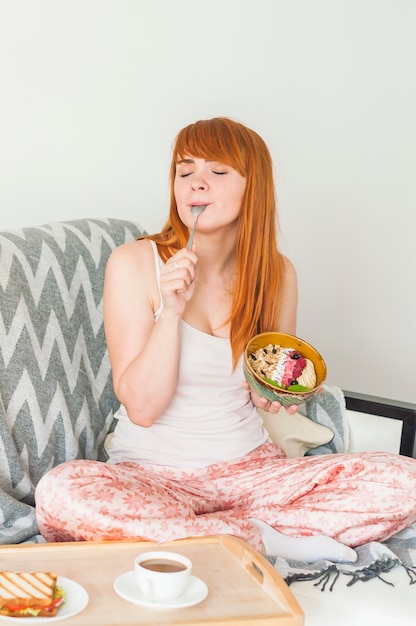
(283,367)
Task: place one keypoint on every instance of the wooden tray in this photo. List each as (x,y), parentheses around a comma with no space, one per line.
(243,586)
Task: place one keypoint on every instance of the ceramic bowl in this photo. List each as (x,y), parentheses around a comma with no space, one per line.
(271,392)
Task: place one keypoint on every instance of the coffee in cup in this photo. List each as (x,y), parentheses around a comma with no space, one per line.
(162,576)
(163,565)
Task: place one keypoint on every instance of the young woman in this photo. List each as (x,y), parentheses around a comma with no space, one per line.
(190,456)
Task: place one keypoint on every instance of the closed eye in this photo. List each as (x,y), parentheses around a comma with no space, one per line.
(185,174)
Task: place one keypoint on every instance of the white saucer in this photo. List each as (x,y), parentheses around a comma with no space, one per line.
(125,586)
(76,600)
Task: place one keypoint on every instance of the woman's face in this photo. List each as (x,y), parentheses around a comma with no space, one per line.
(212,183)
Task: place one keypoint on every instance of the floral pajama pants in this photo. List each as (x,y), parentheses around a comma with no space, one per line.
(354,498)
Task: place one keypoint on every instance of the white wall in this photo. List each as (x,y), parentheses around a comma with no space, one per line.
(94,91)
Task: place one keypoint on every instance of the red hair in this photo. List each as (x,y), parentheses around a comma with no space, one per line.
(256,296)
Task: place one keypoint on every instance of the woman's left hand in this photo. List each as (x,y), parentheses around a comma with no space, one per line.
(271,407)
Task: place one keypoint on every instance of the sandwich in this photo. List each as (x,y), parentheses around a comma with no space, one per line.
(30,594)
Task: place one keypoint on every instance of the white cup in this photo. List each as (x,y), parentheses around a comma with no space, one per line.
(162,576)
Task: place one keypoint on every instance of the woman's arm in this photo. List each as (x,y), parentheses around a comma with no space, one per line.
(288,311)
(286,324)
(144,354)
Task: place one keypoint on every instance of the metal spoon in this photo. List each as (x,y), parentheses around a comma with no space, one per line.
(196,211)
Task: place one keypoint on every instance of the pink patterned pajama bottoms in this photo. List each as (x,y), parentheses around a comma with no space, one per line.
(354,498)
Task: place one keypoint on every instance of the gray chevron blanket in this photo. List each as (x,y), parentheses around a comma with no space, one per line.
(56,397)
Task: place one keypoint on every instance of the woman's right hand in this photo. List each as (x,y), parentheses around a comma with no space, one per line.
(177,281)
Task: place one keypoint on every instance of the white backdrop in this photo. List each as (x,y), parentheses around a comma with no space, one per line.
(94,91)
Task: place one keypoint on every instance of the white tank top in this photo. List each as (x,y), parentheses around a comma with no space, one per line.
(210,418)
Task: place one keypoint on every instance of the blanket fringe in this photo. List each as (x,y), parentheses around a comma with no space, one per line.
(331,574)
(322,577)
(411,572)
(373,571)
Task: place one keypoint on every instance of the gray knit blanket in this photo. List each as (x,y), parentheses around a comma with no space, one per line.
(375,560)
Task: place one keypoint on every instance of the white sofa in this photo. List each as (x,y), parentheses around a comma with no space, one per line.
(373,424)
(56,397)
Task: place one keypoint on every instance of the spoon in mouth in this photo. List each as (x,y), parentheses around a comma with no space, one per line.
(196,211)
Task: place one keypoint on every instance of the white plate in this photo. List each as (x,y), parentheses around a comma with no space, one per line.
(76,599)
(125,586)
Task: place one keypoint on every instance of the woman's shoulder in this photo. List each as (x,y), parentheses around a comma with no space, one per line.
(289,270)
(130,274)
(132,263)
(131,254)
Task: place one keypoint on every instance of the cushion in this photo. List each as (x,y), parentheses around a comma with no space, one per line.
(295,434)
(56,396)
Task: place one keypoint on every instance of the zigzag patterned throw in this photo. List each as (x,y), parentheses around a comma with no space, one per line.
(56,396)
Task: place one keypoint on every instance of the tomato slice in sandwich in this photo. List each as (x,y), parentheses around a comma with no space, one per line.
(32,608)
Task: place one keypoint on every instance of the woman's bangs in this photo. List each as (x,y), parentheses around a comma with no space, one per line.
(203,142)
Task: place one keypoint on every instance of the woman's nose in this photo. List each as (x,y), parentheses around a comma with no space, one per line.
(199,183)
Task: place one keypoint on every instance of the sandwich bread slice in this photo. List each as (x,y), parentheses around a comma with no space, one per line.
(29,594)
